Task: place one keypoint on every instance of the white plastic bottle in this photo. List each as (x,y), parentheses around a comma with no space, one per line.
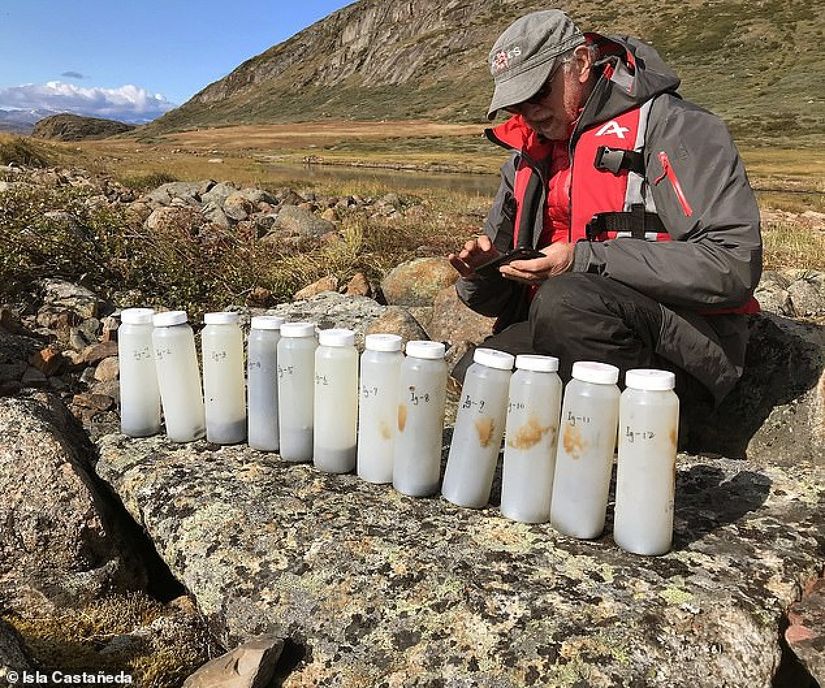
(223,379)
(377,411)
(178,377)
(645,478)
(422,393)
(262,382)
(336,401)
(479,427)
(139,394)
(530,439)
(584,458)
(296,382)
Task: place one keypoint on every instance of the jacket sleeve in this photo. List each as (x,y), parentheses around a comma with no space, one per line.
(708,208)
(490,296)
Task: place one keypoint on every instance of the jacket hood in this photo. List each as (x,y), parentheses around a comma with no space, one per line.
(633,72)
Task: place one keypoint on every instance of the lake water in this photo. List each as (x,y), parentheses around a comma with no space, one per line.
(396,180)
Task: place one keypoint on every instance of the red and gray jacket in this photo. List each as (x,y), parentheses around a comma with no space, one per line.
(657,199)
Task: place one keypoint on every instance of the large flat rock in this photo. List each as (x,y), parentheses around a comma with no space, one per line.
(375,589)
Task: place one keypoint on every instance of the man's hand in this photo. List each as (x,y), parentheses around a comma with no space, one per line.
(475,252)
(558,259)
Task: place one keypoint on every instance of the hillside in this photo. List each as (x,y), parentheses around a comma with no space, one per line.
(68,127)
(759,64)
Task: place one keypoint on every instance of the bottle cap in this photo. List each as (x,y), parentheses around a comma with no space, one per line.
(169,318)
(650,379)
(267,322)
(336,337)
(494,359)
(597,373)
(382,342)
(297,329)
(540,364)
(137,316)
(420,348)
(221,318)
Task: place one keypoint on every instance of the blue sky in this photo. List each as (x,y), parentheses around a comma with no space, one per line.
(133,60)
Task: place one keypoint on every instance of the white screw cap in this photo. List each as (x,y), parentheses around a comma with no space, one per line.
(169,318)
(492,358)
(650,379)
(336,337)
(137,316)
(419,348)
(539,364)
(266,322)
(383,342)
(597,373)
(298,329)
(221,318)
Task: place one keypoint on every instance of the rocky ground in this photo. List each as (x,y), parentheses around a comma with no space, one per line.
(179,553)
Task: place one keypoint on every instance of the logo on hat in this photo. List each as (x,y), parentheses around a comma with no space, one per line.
(501,60)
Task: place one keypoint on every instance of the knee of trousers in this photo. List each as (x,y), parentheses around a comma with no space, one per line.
(561,299)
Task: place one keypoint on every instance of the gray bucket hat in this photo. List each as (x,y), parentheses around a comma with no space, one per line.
(526,53)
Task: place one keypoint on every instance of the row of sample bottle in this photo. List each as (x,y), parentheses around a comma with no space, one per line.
(558,455)
(394,433)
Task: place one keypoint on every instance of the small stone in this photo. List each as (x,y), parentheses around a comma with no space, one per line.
(330,215)
(358,286)
(328,283)
(87,377)
(251,665)
(260,297)
(97,352)
(97,402)
(78,340)
(108,369)
(48,361)
(110,327)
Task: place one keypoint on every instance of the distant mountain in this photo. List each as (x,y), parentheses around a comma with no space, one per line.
(758,64)
(68,127)
(22,121)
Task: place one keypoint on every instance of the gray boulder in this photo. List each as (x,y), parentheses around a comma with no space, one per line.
(62,542)
(418,282)
(13,656)
(775,412)
(370,587)
(218,194)
(164,194)
(358,313)
(302,222)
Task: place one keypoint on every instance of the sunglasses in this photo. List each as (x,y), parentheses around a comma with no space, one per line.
(545,90)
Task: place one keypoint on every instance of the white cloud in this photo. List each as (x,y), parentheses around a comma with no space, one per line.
(127,103)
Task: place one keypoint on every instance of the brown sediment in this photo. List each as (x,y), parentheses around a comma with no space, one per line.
(528,435)
(384,428)
(574,444)
(674,437)
(402,417)
(485,427)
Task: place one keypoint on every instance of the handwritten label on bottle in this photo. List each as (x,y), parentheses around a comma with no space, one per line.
(469,403)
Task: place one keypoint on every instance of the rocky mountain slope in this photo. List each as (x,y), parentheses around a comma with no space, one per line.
(758,64)
(68,127)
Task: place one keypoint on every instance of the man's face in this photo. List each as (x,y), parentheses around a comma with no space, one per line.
(553,111)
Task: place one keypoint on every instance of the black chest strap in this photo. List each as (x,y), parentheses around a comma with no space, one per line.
(636,223)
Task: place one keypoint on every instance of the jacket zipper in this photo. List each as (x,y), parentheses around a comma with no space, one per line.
(670,173)
(532,164)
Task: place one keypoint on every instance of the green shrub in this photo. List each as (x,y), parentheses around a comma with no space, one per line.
(22,152)
(147,182)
